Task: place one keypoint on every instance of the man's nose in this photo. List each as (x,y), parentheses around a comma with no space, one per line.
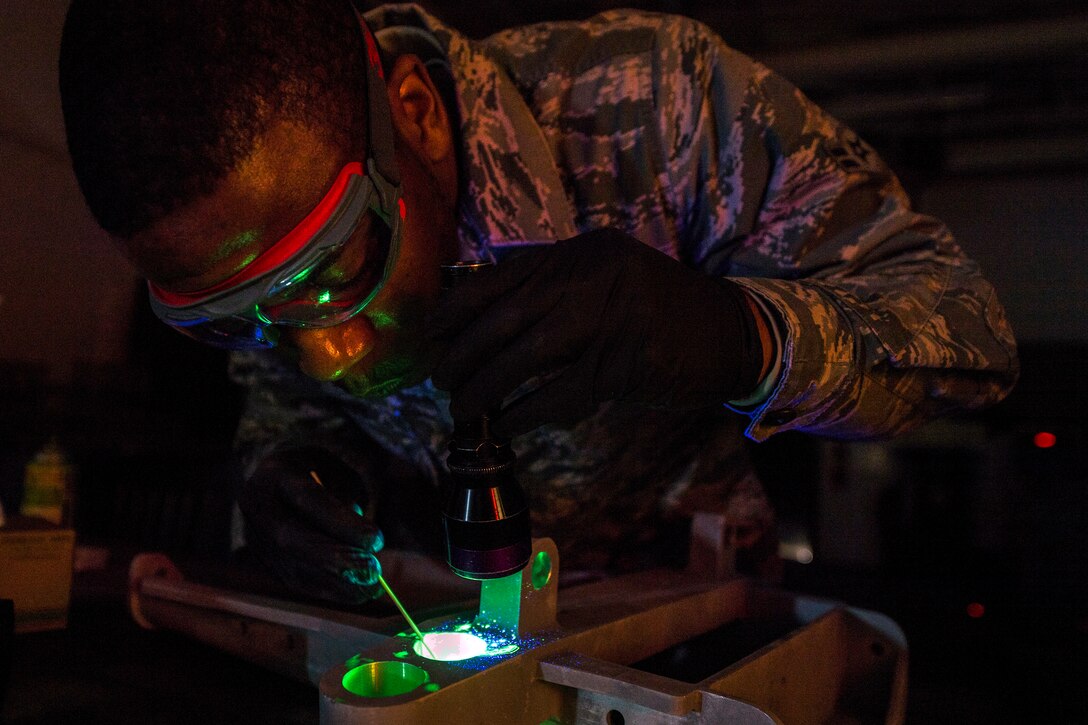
(327,353)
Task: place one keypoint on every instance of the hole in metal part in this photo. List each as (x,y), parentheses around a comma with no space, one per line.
(383,679)
(613,717)
(450,646)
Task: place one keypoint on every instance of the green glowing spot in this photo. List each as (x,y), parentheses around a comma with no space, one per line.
(500,603)
(236,244)
(542,570)
(356,660)
(508,649)
(299,277)
(386,388)
(324,297)
(402,654)
(384,679)
(432,687)
(357,509)
(463,627)
(356,578)
(450,646)
(382,319)
(260,315)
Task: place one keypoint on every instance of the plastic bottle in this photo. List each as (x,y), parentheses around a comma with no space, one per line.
(49,485)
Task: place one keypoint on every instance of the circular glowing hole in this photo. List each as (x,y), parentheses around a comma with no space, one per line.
(450,646)
(383,679)
(542,570)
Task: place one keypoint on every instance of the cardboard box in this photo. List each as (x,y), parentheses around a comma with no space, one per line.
(36,572)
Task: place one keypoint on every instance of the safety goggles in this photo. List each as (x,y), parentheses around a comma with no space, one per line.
(325,270)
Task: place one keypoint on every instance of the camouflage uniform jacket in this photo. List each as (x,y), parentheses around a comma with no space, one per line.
(650,123)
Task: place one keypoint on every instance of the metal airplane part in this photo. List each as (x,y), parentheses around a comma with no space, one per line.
(652,648)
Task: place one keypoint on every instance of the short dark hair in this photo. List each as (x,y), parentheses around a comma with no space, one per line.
(162,100)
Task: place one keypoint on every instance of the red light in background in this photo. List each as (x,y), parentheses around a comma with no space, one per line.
(975,610)
(1043,439)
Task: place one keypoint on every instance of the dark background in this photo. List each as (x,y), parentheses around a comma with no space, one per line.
(982,108)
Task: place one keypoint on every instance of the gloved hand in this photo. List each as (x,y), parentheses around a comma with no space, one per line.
(312,536)
(595,318)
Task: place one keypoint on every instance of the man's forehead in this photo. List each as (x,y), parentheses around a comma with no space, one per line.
(258,202)
(175,256)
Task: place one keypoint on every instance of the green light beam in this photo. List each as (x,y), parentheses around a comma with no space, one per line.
(404,613)
(385,586)
(500,603)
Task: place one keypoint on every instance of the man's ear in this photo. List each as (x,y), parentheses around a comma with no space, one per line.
(419,115)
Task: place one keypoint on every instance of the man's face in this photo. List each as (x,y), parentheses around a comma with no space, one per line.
(288,172)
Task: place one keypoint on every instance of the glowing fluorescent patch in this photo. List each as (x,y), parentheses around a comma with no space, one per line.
(356,660)
(235,244)
(324,297)
(451,646)
(298,277)
(382,319)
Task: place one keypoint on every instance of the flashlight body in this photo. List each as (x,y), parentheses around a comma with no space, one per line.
(485,512)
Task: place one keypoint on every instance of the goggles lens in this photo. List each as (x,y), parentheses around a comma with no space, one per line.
(337,285)
(322,273)
(232,333)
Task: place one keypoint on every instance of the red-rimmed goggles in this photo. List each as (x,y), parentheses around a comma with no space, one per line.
(325,270)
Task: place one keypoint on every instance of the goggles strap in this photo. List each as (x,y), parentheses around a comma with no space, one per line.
(379,118)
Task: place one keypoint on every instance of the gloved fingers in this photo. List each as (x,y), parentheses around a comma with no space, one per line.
(277,525)
(512,320)
(318,508)
(354,581)
(639,326)
(311,485)
(562,399)
(476,292)
(548,347)
(339,574)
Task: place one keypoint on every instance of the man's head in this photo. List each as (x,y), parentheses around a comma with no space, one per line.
(203,132)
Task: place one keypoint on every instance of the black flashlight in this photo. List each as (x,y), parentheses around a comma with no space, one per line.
(485,513)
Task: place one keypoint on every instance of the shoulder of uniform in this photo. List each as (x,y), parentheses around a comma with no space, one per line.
(575,47)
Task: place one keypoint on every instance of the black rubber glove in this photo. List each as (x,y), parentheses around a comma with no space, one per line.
(595,318)
(312,536)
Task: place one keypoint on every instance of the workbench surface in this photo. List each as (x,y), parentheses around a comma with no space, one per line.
(104,669)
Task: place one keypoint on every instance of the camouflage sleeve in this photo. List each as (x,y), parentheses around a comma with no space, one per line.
(886,322)
(283,408)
